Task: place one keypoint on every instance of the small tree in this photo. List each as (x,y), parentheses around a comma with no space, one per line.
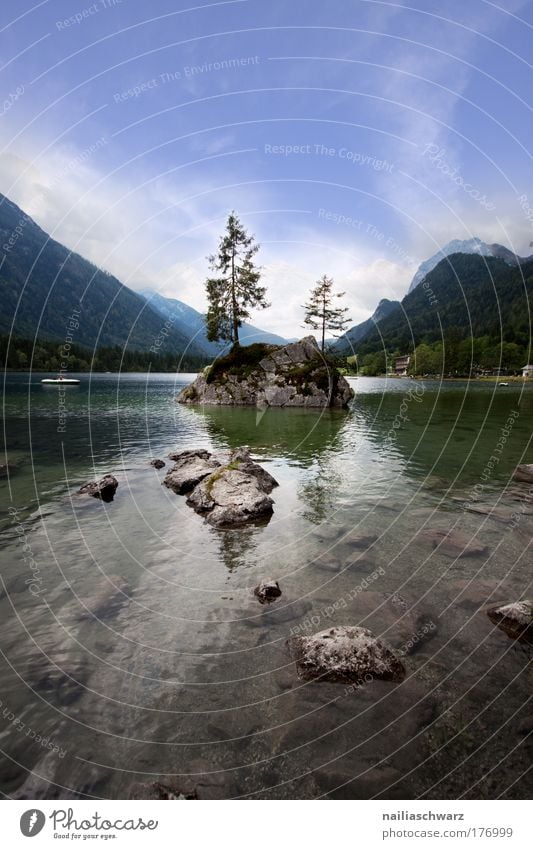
(231,294)
(320,313)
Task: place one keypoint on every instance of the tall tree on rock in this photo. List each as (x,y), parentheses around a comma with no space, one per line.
(320,314)
(237,289)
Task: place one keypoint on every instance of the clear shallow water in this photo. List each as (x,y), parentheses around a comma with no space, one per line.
(186,679)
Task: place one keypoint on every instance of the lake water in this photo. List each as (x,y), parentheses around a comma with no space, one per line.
(186,680)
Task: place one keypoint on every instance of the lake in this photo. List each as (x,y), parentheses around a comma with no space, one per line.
(184,680)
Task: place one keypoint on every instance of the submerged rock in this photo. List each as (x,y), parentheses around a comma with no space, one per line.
(267,591)
(235,493)
(524,472)
(9,468)
(104,489)
(453,543)
(515,620)
(107,600)
(60,677)
(347,654)
(293,375)
(158,464)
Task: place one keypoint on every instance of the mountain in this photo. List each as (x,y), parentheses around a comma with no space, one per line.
(359,331)
(51,293)
(191,323)
(466,246)
(464,296)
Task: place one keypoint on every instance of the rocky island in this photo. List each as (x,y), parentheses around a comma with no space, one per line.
(293,375)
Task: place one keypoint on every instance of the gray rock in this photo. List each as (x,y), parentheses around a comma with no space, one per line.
(515,620)
(190,468)
(236,493)
(267,591)
(158,464)
(104,489)
(346,654)
(294,375)
(228,490)
(230,498)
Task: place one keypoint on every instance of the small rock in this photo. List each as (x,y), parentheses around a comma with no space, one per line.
(347,654)
(524,472)
(515,620)
(267,591)
(526,726)
(158,791)
(362,540)
(158,464)
(104,489)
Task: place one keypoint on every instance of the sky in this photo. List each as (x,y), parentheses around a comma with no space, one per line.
(353,138)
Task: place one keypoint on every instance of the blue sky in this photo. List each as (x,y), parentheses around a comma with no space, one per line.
(353,137)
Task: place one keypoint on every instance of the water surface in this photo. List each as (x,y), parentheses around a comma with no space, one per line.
(186,680)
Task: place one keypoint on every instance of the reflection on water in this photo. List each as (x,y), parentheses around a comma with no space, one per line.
(174,672)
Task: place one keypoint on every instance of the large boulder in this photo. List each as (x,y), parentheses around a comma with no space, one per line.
(515,620)
(346,654)
(234,494)
(228,490)
(294,375)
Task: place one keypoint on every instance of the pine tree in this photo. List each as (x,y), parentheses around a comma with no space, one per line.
(321,315)
(237,288)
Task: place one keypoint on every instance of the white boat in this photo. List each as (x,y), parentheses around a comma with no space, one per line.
(65,381)
(502,383)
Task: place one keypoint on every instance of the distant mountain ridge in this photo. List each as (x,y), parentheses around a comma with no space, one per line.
(42,283)
(191,322)
(473,295)
(463,246)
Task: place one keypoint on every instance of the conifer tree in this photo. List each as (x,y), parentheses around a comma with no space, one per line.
(236,289)
(320,314)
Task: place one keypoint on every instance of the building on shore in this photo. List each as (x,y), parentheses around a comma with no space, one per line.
(527,371)
(401,364)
